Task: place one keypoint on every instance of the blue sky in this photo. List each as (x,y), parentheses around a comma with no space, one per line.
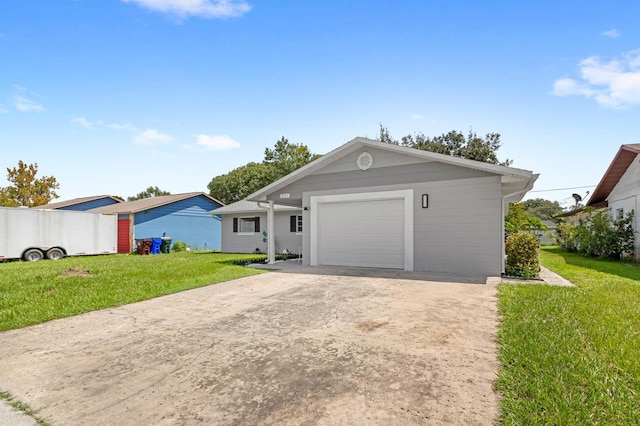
(113,96)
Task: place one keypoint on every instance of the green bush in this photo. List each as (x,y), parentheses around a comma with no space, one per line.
(179,246)
(597,235)
(522,255)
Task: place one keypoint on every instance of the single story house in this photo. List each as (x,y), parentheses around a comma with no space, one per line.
(83,203)
(619,188)
(244,225)
(373,204)
(182,217)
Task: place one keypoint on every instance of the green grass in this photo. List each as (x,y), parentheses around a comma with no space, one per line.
(32,293)
(8,398)
(572,355)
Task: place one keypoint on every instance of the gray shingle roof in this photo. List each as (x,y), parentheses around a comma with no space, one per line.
(76,201)
(150,203)
(245,206)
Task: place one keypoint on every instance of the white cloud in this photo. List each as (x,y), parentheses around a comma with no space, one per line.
(200,8)
(81,121)
(22,103)
(417,117)
(152,137)
(123,126)
(611,33)
(216,143)
(611,84)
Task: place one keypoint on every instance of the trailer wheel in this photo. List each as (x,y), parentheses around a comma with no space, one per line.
(33,255)
(55,254)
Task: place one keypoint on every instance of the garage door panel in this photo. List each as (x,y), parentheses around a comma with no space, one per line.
(363,233)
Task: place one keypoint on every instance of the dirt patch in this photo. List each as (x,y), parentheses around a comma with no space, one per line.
(370,325)
(76,272)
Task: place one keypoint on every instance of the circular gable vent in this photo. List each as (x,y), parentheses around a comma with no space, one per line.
(364,161)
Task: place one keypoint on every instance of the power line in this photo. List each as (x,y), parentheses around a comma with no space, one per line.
(563,189)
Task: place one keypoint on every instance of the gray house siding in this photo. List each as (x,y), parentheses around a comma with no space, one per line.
(459,232)
(412,173)
(234,242)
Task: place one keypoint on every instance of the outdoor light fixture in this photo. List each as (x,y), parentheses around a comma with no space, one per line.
(425,201)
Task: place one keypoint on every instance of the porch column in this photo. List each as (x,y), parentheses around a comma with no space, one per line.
(271,234)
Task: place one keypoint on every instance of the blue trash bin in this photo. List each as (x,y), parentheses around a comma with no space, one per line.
(155,245)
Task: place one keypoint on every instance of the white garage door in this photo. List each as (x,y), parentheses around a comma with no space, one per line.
(366,233)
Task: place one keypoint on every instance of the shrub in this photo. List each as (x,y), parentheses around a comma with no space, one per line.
(522,255)
(179,246)
(597,235)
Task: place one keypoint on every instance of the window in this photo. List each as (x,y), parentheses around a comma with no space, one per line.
(296,224)
(246,225)
(620,214)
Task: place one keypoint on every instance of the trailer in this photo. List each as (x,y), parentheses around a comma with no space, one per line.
(35,234)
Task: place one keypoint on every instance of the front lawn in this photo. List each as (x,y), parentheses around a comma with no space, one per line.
(571,355)
(31,293)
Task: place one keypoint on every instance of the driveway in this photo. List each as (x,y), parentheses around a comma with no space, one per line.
(278,348)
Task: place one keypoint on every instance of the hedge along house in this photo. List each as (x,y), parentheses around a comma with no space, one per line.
(619,188)
(244,224)
(183,217)
(372,204)
(84,203)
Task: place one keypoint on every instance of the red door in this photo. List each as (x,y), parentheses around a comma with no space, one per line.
(124,242)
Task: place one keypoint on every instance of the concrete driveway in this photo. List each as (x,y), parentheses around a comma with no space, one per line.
(337,347)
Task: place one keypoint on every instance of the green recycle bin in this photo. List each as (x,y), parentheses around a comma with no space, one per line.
(165,247)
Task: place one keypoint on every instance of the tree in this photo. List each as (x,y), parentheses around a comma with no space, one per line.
(542,209)
(152,191)
(26,190)
(240,182)
(454,143)
(284,158)
(518,220)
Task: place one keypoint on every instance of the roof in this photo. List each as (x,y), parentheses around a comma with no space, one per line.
(245,206)
(76,201)
(623,159)
(150,203)
(523,179)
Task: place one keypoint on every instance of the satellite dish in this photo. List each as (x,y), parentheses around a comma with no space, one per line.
(577,197)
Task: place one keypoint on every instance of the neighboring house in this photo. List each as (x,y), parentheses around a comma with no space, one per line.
(372,204)
(182,217)
(83,204)
(548,236)
(619,188)
(244,224)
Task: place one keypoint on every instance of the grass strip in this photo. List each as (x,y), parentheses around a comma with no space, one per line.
(32,293)
(570,355)
(25,408)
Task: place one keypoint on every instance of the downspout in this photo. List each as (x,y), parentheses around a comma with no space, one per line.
(527,188)
(271,238)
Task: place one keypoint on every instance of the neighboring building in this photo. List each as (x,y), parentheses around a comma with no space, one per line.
(83,204)
(619,188)
(548,236)
(182,217)
(244,225)
(372,204)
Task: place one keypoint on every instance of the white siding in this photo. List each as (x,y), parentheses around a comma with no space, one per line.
(233,242)
(625,196)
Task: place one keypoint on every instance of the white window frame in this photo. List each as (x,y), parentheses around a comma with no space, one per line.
(245,219)
(299,228)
